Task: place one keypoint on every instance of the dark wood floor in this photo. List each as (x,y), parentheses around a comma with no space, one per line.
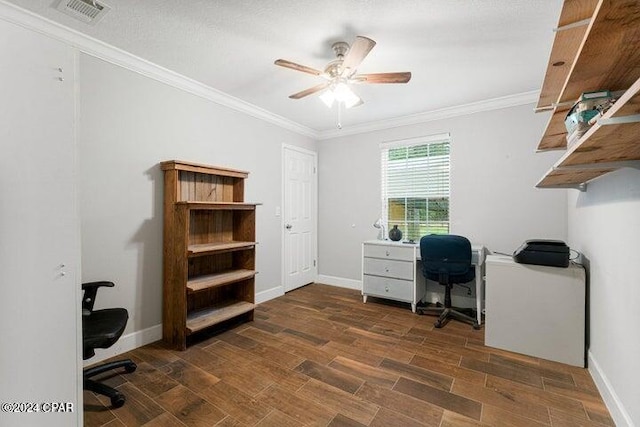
(319,356)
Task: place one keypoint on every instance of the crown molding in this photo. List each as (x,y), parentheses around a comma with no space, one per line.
(91,46)
(429,116)
(116,56)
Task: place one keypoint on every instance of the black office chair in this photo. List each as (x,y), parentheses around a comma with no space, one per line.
(101,329)
(447,260)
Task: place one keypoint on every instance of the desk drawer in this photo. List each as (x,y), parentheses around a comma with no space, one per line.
(389,252)
(388,288)
(389,268)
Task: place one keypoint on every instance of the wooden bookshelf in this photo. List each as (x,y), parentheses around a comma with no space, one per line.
(209,249)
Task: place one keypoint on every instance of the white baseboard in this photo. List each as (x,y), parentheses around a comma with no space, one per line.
(340,282)
(127,343)
(269,294)
(617,410)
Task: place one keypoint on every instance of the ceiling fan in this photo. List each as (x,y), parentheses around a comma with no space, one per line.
(343,71)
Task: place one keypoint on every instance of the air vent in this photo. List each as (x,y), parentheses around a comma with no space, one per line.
(87,11)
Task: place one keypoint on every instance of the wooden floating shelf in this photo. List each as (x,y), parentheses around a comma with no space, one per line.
(202,319)
(237,206)
(603,61)
(566,44)
(607,59)
(219,279)
(613,142)
(608,53)
(555,135)
(558,178)
(218,247)
(602,144)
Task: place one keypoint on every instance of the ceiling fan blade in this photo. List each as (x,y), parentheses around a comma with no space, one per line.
(357,52)
(288,64)
(310,91)
(401,77)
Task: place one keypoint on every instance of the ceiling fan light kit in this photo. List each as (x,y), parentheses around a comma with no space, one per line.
(341,72)
(340,93)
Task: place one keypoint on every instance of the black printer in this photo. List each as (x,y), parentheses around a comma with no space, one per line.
(553,253)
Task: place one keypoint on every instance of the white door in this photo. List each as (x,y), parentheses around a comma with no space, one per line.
(40,322)
(300,217)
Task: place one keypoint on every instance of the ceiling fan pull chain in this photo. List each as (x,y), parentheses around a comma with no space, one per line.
(339,114)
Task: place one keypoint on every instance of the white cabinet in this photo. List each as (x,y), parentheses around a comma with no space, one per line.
(389,271)
(536,310)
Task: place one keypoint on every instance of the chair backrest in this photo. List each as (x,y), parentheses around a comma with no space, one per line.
(446,258)
(100,328)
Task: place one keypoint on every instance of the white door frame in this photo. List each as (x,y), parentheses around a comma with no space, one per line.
(283,215)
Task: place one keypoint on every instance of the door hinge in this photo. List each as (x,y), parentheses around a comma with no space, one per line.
(314,169)
(314,262)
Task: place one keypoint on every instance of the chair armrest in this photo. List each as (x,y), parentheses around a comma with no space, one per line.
(90,291)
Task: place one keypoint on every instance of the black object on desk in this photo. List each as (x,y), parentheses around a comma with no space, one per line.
(553,253)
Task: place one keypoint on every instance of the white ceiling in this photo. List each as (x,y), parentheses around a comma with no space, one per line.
(459,51)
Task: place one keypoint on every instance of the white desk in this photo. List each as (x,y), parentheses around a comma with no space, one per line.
(390,270)
(536,310)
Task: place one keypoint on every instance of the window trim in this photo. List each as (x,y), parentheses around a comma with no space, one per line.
(440,137)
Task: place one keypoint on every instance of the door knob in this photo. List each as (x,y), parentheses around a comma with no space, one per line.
(288,226)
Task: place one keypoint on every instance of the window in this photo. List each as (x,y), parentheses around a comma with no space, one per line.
(415,185)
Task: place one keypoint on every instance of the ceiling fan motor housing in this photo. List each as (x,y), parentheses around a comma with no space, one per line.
(334,68)
(340,48)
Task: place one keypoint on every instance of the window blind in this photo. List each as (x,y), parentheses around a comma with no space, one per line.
(416,185)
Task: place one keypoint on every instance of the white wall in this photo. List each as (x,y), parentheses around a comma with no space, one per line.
(40,322)
(604,225)
(129,124)
(493,199)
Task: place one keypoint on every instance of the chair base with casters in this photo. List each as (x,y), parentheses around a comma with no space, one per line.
(448,312)
(101,329)
(117,398)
